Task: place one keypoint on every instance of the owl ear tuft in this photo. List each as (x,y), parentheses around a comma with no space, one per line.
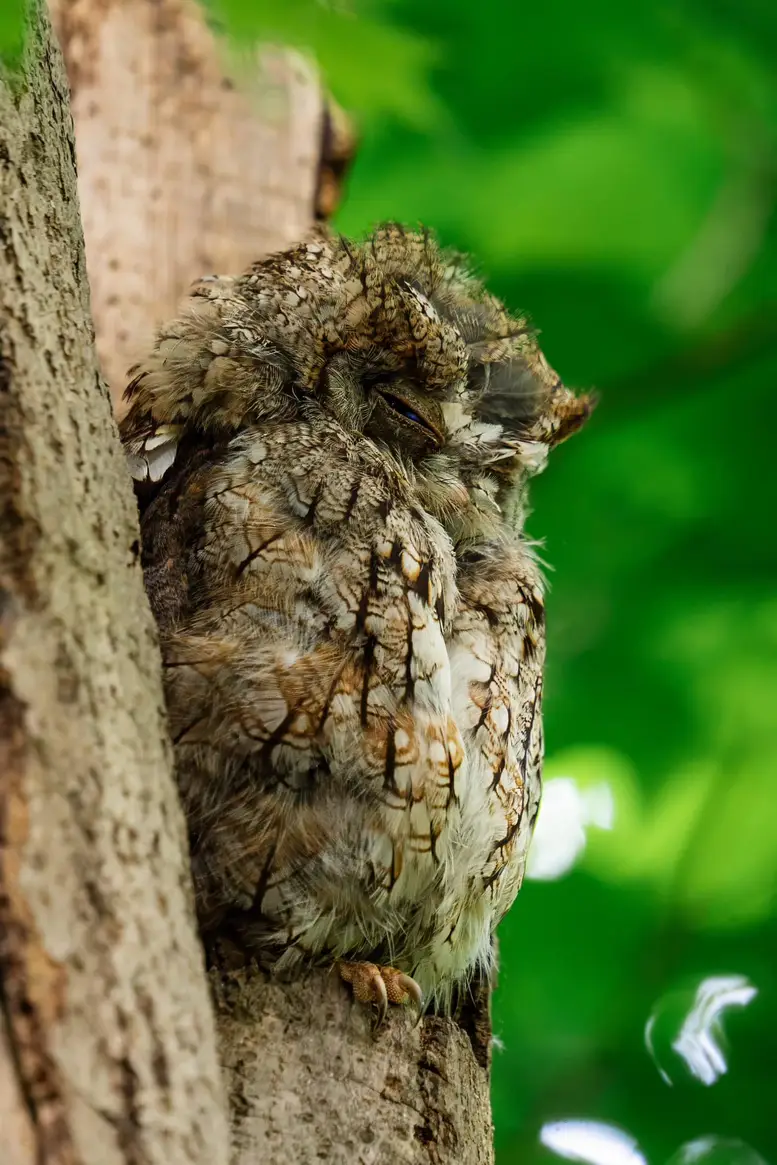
(526,397)
(563,415)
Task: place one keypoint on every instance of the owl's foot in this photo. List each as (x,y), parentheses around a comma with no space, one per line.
(380,985)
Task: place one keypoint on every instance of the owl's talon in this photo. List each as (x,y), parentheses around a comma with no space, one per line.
(413,992)
(381,1002)
(381,986)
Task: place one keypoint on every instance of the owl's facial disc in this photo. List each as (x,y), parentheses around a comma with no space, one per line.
(403,416)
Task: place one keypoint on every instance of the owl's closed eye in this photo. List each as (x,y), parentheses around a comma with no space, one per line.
(385,336)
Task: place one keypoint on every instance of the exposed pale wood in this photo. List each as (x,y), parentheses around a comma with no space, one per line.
(188,163)
(108,1050)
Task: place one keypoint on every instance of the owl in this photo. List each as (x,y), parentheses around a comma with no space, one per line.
(331,453)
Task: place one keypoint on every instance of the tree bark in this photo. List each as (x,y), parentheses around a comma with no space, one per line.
(108,1050)
(310,1081)
(186,171)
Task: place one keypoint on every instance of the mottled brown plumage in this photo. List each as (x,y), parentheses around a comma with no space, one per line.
(331,453)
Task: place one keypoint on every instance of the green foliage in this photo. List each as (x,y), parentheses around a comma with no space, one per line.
(613,167)
(339,36)
(12,22)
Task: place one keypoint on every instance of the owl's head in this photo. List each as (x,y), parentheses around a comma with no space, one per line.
(394,337)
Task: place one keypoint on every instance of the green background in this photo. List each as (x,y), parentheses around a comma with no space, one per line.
(613,169)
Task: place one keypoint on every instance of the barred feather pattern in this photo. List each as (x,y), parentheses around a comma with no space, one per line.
(331,453)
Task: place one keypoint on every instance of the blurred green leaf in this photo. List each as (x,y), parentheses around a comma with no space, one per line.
(12,20)
(372,66)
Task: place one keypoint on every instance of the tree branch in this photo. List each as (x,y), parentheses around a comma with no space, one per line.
(184,170)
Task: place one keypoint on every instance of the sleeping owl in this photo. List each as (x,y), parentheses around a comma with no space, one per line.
(331,454)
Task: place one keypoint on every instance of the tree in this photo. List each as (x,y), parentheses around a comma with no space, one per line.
(108,1047)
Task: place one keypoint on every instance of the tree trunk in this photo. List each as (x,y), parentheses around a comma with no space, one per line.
(183,173)
(108,1049)
(108,1052)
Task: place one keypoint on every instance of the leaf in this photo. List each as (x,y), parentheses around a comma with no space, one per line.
(12,26)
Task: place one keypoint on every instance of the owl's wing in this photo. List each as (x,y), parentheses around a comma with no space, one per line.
(206,371)
(497,651)
(306,671)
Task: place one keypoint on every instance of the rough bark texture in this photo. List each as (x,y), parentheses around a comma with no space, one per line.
(107,1046)
(310,1081)
(184,170)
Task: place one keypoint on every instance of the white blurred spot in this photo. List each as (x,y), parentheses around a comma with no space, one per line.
(560,835)
(716,1151)
(649,1026)
(592,1142)
(697,1040)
